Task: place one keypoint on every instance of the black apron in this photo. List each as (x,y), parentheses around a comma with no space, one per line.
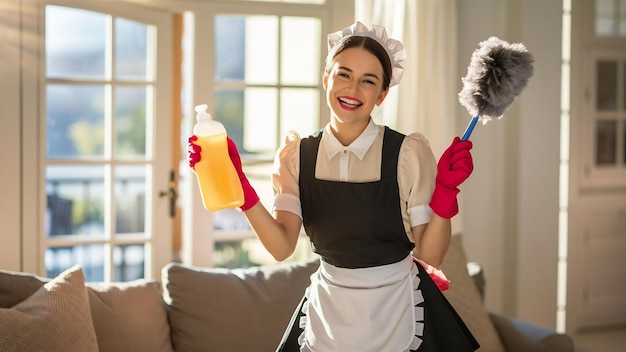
(359,225)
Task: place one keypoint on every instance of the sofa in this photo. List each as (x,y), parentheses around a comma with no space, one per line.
(210,309)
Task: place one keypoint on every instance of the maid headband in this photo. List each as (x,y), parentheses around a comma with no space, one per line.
(394,48)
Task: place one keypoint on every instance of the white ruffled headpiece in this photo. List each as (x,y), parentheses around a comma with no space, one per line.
(394,47)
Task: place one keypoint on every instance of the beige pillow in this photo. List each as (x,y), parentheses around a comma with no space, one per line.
(465,297)
(232,310)
(55,318)
(130,316)
(127,316)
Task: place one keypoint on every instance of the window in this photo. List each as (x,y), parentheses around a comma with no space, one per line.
(610,18)
(610,141)
(100,170)
(266,80)
(604,131)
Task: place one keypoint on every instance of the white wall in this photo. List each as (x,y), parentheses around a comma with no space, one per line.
(510,203)
(10,157)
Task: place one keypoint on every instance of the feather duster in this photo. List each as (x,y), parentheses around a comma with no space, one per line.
(498,72)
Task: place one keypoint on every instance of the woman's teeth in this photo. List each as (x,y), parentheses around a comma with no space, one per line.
(349,102)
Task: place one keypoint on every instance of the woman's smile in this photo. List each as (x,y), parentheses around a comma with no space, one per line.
(349,103)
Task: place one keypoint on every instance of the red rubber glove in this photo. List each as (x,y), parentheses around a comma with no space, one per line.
(454,167)
(249,194)
(193,152)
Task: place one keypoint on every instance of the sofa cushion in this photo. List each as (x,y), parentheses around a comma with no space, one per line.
(232,310)
(16,287)
(56,317)
(466,299)
(127,316)
(130,316)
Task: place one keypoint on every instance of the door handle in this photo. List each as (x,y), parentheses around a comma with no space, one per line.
(171,193)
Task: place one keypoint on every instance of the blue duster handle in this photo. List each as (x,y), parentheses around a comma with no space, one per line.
(470,128)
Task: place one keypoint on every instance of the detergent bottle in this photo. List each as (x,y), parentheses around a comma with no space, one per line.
(217,178)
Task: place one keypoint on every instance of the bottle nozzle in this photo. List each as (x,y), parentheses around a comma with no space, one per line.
(202,113)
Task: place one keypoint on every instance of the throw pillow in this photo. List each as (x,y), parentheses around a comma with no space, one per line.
(55,318)
(232,310)
(465,297)
(16,287)
(130,316)
(127,316)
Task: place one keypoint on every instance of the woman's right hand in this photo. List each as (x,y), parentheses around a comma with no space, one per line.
(193,152)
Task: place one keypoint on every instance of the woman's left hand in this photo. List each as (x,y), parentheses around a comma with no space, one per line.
(454,167)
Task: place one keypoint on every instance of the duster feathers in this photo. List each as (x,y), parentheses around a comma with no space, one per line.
(497,74)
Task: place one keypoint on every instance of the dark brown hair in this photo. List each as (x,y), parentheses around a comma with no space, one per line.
(368,44)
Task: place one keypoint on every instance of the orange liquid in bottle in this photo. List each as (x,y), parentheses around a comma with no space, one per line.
(217,178)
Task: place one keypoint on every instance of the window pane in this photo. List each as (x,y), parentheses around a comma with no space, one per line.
(299,111)
(229,111)
(606,83)
(75,43)
(74,121)
(606,139)
(130,199)
(605,26)
(131,50)
(130,121)
(90,257)
(250,252)
(129,262)
(233,254)
(260,121)
(605,7)
(261,50)
(229,48)
(75,197)
(300,51)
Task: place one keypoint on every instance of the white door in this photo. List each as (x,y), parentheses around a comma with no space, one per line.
(597,242)
(104,145)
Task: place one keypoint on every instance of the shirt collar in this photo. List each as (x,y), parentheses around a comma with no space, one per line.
(359,147)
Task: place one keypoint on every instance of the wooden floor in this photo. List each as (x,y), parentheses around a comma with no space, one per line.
(601,341)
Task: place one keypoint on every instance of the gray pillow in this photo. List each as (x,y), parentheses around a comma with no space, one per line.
(130,316)
(127,316)
(55,318)
(16,287)
(232,310)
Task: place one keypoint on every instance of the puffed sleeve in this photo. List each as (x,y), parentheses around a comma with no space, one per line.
(417,169)
(285,175)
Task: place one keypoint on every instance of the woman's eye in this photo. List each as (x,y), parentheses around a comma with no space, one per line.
(344,75)
(367,81)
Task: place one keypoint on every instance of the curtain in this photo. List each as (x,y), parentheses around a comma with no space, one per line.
(426,99)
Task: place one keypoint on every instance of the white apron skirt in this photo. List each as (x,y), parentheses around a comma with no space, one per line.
(365,309)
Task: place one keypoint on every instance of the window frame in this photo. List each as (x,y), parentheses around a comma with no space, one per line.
(158,250)
(600,48)
(199,237)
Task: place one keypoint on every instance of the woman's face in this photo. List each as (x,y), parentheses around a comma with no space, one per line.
(354,86)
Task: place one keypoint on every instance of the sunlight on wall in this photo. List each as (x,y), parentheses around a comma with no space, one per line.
(564,167)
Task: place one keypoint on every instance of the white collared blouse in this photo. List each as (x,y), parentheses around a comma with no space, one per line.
(360,162)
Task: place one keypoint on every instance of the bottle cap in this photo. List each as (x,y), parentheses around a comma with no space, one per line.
(201,113)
